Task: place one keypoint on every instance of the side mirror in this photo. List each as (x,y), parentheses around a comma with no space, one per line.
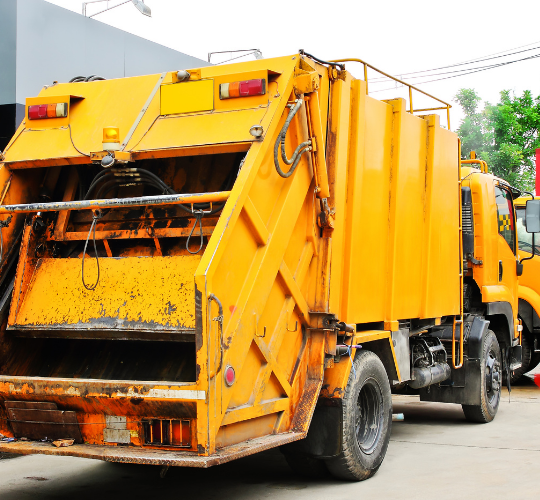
(532,216)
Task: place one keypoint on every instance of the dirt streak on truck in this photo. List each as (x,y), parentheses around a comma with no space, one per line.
(203,264)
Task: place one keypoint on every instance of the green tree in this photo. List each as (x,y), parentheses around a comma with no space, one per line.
(505,135)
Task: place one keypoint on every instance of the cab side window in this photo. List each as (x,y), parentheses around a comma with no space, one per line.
(505,216)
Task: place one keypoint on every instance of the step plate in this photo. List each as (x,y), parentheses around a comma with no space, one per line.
(153,456)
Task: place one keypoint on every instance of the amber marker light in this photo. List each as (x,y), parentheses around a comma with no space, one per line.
(111,139)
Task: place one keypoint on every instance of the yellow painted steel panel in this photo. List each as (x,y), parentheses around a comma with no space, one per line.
(196,130)
(187,97)
(407,213)
(114,103)
(122,300)
(41,144)
(367,209)
(440,265)
(402,216)
(338,148)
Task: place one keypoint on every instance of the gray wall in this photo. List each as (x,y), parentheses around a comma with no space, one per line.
(8,36)
(41,43)
(53,43)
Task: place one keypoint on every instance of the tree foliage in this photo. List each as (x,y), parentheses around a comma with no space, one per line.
(505,135)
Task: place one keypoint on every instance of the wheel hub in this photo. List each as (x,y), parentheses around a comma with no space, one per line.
(369,416)
(493,376)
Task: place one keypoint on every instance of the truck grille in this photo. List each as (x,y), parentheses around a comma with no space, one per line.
(168,432)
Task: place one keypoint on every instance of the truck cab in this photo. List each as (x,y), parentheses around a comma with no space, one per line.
(528,291)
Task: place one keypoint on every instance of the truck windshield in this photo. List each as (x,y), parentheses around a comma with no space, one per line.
(525,238)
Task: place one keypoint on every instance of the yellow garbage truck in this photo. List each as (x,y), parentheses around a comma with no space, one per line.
(528,291)
(203,264)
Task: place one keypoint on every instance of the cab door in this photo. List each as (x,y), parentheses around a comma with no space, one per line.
(507,245)
(529,281)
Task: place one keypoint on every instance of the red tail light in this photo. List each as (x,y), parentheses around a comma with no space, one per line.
(245,88)
(42,111)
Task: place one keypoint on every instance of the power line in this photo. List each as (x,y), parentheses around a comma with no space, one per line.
(488,66)
(471,61)
(473,70)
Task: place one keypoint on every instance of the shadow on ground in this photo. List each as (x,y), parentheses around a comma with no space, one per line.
(241,479)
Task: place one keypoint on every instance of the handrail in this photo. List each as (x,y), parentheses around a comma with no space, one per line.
(447,106)
(461,278)
(169,199)
(482,163)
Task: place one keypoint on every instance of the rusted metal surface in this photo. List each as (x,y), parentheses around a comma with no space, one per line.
(88,388)
(154,457)
(144,232)
(169,199)
(133,307)
(42,420)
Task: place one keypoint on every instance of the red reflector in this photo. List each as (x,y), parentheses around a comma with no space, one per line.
(245,88)
(229,375)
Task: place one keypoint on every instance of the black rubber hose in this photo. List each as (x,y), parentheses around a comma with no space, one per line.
(77,79)
(104,192)
(97,179)
(141,171)
(297,155)
(105,188)
(328,63)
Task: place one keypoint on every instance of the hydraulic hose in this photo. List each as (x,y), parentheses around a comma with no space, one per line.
(328,63)
(301,149)
(91,78)
(110,179)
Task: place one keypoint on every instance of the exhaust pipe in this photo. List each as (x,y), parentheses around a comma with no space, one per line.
(422,377)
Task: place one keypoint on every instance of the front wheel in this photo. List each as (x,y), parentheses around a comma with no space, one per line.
(490,382)
(367,420)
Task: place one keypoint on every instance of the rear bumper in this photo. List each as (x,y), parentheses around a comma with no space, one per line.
(136,455)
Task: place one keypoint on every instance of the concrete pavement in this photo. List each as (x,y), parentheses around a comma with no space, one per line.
(434,452)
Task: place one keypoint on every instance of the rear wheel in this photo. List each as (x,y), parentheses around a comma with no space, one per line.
(367,420)
(490,382)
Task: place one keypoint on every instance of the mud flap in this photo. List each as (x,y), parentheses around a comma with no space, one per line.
(464,384)
(324,438)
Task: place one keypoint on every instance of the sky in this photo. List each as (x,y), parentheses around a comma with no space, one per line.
(398,37)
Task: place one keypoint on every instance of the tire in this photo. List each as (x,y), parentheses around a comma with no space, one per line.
(526,358)
(308,467)
(367,420)
(490,382)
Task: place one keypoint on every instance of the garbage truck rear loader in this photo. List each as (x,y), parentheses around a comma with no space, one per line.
(201,265)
